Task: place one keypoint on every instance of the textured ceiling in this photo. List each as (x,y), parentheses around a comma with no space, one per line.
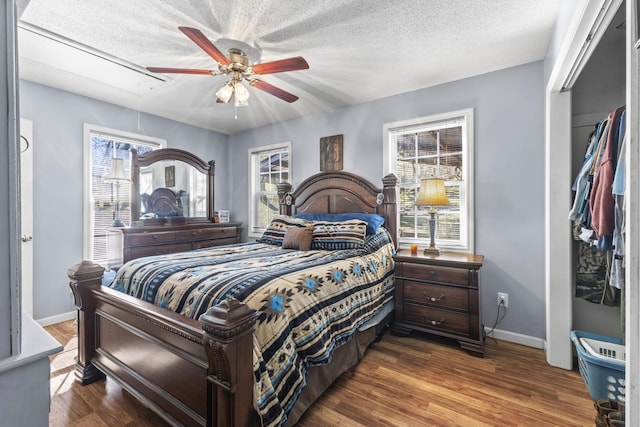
(357,50)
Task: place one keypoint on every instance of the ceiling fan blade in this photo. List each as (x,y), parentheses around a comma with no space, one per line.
(275,91)
(290,64)
(205,44)
(179,70)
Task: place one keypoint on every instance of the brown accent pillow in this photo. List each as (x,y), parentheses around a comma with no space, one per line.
(298,238)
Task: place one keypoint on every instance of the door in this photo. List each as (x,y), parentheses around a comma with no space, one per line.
(26,210)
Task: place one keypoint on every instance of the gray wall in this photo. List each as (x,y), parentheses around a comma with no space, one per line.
(509,173)
(58,119)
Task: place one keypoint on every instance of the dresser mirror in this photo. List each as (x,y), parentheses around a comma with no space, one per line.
(171,183)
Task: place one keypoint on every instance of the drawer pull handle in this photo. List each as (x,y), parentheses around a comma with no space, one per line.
(154,237)
(432,272)
(193,233)
(432,299)
(434,322)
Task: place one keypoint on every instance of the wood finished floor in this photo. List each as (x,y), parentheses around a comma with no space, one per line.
(402,381)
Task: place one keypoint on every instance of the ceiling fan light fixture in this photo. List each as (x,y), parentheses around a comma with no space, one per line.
(242,63)
(241,95)
(225,92)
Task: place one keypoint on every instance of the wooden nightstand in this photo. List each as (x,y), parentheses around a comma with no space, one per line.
(440,295)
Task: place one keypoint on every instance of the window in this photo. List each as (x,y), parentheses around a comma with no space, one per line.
(267,167)
(439,146)
(102,145)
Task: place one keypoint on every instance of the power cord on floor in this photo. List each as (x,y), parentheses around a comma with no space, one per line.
(498,320)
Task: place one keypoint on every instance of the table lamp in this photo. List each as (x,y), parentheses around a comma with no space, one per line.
(432,194)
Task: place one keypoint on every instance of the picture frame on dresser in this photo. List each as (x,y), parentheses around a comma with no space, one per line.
(440,295)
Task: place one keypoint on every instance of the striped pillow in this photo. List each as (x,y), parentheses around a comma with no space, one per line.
(330,235)
(274,234)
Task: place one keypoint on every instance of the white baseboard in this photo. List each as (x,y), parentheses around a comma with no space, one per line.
(516,338)
(71,315)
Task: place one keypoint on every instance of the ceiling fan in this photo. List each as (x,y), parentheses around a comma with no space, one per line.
(236,65)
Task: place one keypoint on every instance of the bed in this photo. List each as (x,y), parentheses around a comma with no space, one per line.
(205,369)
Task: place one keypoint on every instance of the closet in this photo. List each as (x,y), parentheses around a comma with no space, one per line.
(599,90)
(594,96)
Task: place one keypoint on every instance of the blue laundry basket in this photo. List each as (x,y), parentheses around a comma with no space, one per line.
(601,362)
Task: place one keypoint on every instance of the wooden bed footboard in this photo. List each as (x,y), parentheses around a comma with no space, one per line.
(190,372)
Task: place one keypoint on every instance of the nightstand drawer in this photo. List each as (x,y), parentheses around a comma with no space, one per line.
(435,318)
(436,273)
(436,295)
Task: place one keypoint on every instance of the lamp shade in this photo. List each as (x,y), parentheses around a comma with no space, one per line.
(225,92)
(116,173)
(242,95)
(432,193)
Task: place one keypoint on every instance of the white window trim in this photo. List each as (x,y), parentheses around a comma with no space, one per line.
(89,129)
(389,158)
(253,232)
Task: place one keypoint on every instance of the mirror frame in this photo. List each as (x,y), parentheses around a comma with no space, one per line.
(143,160)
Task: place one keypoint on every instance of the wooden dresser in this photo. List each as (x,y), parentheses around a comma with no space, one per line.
(440,295)
(127,243)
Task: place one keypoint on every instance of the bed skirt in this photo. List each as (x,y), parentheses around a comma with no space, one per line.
(319,378)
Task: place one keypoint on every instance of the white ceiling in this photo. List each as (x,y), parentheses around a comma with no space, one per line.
(357,50)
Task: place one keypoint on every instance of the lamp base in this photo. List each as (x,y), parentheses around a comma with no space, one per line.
(117,223)
(432,250)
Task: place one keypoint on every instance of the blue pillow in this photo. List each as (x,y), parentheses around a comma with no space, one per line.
(374,221)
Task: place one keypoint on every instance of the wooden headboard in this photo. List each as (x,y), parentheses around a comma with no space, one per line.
(342,192)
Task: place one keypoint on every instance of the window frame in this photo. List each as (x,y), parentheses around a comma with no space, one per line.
(88,131)
(254,175)
(390,164)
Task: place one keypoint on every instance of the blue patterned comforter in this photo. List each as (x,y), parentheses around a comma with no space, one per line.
(308,302)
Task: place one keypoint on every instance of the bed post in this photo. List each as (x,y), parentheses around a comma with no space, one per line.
(228,340)
(85,277)
(285,198)
(390,208)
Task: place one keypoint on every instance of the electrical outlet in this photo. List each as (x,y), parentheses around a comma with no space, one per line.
(503,299)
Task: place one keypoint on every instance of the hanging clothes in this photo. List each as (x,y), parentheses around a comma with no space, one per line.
(590,269)
(617,189)
(598,213)
(601,199)
(582,183)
